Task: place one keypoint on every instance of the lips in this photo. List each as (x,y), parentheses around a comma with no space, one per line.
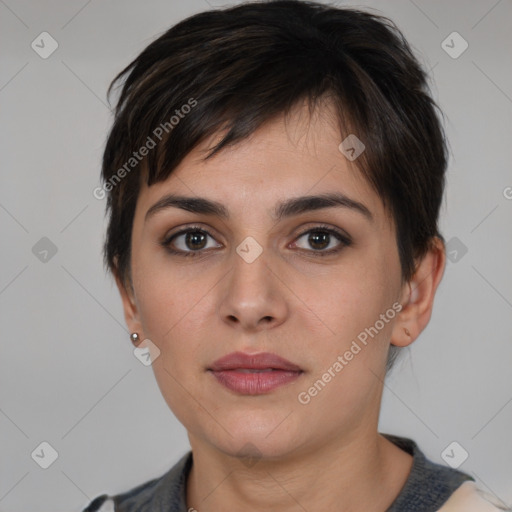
(262,361)
(254,374)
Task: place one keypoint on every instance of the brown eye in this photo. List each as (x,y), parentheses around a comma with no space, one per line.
(189,242)
(322,241)
(319,239)
(195,240)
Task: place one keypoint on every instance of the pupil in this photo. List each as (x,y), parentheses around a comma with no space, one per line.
(195,240)
(319,240)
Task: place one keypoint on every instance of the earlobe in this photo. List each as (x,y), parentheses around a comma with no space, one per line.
(131,314)
(418,295)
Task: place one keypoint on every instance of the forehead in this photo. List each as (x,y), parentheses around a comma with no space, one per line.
(288,156)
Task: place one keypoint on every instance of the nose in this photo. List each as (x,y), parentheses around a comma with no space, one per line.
(253,298)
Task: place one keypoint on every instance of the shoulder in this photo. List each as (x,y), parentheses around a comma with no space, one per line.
(164,493)
(468,498)
(433,487)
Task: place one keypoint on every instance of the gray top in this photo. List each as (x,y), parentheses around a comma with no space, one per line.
(427,488)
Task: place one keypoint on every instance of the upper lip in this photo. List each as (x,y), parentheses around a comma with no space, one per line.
(261,361)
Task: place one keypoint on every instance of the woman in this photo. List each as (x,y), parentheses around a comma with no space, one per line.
(274,176)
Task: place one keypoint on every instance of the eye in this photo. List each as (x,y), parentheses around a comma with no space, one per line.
(189,242)
(322,240)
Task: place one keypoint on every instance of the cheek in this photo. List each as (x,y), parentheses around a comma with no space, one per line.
(348,298)
(175,312)
(350,358)
(171,312)
(166,296)
(353,308)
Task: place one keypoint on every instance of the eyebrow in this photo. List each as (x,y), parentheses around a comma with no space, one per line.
(284,209)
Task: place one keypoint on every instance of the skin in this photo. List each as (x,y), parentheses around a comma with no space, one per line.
(328,454)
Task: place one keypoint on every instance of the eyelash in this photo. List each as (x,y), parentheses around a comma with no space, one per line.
(344,240)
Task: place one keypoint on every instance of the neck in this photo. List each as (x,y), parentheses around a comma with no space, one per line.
(363,472)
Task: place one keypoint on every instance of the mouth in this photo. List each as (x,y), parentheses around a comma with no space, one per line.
(254,374)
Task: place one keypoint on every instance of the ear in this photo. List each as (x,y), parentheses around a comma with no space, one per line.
(131,313)
(417,298)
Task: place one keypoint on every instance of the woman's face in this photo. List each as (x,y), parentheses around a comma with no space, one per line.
(268,279)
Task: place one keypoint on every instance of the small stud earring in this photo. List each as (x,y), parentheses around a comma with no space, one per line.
(134,337)
(407,332)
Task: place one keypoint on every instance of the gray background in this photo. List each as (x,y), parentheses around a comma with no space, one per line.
(67,372)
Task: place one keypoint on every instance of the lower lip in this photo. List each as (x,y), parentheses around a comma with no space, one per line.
(255,383)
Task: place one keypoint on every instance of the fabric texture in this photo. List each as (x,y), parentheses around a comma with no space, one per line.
(430,487)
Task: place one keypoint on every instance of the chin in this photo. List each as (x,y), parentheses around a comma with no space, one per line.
(257,435)
(256,448)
